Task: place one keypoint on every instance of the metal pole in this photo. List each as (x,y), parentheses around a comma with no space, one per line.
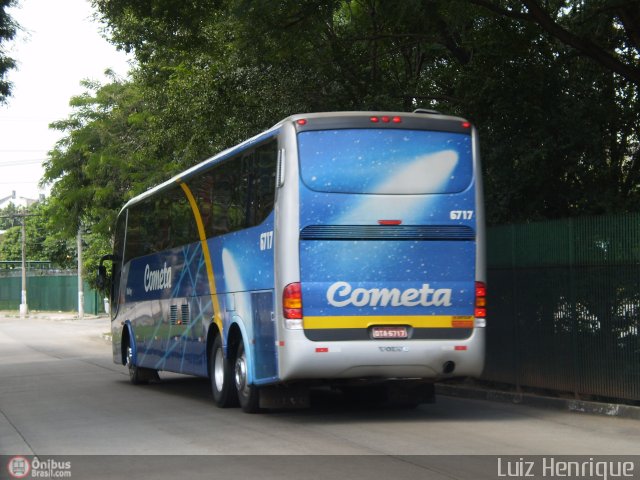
(80,281)
(23,302)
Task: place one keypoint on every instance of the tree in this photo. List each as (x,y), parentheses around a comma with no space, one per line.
(103,160)
(7,32)
(558,127)
(606,31)
(41,243)
(8,216)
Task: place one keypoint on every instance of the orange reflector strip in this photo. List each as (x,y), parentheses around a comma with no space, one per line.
(462,323)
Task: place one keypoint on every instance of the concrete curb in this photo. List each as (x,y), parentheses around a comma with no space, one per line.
(51,315)
(579,406)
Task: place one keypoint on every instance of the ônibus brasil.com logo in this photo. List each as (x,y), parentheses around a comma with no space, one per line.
(19,467)
(22,467)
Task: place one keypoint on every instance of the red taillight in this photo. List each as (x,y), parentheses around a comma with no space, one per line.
(481,300)
(292,301)
(301,122)
(386,119)
(466,124)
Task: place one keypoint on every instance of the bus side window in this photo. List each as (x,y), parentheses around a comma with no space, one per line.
(118,257)
(238,193)
(264,182)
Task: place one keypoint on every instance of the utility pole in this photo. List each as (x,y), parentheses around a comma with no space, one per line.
(80,280)
(24,309)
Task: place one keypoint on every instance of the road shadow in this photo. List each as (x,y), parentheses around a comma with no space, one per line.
(328,405)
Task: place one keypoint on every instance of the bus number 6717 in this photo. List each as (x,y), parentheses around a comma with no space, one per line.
(266,240)
(461,214)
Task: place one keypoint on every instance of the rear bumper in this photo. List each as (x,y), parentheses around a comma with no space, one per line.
(300,358)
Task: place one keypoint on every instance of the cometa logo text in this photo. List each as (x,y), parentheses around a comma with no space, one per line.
(157,279)
(342,294)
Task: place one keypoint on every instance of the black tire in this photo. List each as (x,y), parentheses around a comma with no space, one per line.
(139,375)
(248,395)
(222,376)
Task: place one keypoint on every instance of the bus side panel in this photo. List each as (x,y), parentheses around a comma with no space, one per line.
(266,364)
(184,346)
(168,304)
(243,271)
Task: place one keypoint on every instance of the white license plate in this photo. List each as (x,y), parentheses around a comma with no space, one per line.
(389,332)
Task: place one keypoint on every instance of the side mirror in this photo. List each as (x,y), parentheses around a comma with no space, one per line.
(102,280)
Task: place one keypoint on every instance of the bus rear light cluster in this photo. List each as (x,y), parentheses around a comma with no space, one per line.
(292,305)
(481,300)
(386,119)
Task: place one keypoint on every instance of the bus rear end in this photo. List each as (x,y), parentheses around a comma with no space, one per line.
(379,248)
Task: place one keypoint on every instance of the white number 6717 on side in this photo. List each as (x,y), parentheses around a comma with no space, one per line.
(461,214)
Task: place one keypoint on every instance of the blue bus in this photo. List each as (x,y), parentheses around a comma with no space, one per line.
(342,250)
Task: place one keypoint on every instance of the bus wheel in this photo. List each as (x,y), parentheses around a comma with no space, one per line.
(221,375)
(248,395)
(139,375)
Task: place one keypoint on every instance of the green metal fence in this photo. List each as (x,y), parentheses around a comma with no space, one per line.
(52,292)
(564,305)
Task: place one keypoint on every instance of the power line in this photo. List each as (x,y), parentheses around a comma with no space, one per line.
(21,182)
(23,150)
(14,163)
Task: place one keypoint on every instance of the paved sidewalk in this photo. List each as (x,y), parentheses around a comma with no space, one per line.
(50,315)
(480,392)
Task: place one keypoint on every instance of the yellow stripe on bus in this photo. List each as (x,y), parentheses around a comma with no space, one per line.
(217,314)
(426,321)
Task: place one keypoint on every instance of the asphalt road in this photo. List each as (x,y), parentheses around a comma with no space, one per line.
(60,394)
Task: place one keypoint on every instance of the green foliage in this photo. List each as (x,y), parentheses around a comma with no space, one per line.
(102,160)
(7,216)
(7,32)
(552,89)
(42,243)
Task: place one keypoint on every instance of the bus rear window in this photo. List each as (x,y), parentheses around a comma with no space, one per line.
(385,161)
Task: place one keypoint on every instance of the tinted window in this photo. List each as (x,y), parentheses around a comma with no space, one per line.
(385,161)
(118,254)
(232,195)
(238,193)
(160,223)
